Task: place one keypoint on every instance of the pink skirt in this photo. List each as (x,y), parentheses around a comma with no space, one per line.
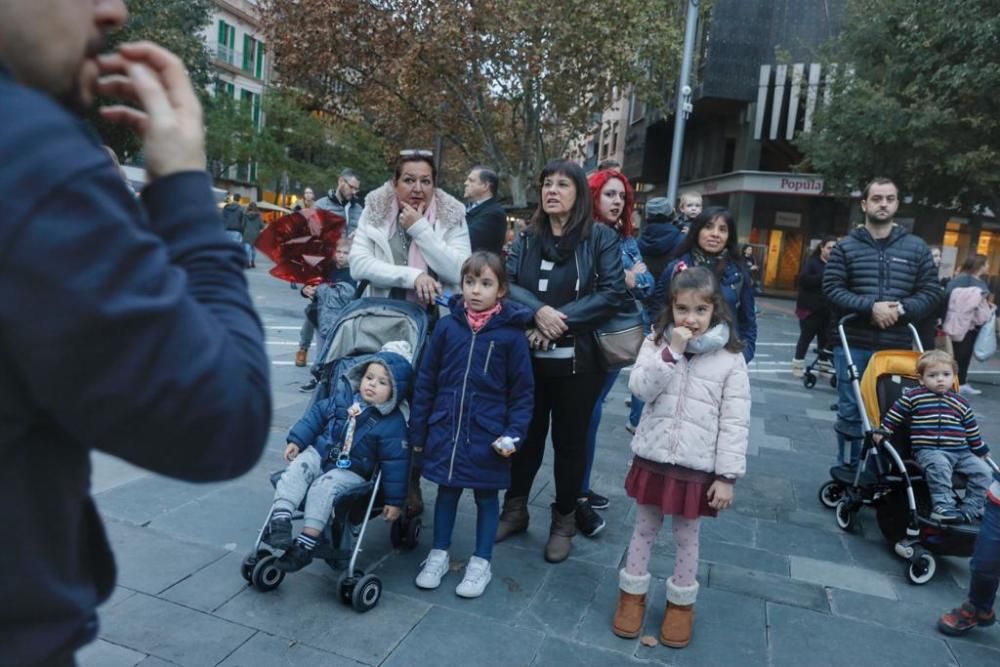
(676,490)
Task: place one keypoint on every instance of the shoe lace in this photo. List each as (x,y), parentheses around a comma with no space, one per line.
(475,571)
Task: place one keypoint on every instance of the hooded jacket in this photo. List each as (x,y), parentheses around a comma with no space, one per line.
(862,271)
(697,411)
(472,389)
(445,245)
(658,241)
(234,218)
(380,430)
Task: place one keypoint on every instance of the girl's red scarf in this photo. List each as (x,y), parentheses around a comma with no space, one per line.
(478,320)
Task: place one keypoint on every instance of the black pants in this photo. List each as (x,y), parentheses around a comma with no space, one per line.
(814,326)
(568,401)
(963,353)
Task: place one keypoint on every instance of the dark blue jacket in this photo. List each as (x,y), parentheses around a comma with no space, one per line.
(737,289)
(471,390)
(862,271)
(379,432)
(125,326)
(657,242)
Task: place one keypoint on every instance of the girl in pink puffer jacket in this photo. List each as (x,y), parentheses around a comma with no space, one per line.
(690,445)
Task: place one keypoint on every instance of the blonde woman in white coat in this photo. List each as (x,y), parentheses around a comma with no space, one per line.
(690,445)
(412,237)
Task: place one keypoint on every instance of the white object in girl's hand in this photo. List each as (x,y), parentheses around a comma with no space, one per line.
(505,444)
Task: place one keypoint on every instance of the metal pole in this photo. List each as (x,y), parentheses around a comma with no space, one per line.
(683,95)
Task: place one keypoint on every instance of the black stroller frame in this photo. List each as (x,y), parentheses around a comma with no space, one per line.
(821,365)
(356,588)
(876,481)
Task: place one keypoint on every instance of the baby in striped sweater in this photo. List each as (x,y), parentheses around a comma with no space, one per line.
(945,438)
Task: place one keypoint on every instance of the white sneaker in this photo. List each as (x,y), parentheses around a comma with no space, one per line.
(435,567)
(798,366)
(477,576)
(969,390)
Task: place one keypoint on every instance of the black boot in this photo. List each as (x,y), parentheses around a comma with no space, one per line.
(296,558)
(280,533)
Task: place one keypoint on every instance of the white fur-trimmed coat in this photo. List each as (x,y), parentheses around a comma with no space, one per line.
(697,412)
(445,245)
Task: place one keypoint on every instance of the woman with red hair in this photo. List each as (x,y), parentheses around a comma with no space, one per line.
(613,201)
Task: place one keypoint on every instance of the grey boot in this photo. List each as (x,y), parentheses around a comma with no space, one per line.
(560,536)
(513,518)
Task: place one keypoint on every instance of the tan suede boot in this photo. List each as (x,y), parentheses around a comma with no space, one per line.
(561,534)
(678,621)
(513,518)
(631,604)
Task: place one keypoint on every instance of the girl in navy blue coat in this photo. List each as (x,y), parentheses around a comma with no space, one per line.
(472,404)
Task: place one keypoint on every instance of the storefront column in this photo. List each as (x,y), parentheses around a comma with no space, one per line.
(742,210)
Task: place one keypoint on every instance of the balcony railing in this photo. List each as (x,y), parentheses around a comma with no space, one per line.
(229,55)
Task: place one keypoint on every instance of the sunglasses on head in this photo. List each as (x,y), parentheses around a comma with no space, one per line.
(418,152)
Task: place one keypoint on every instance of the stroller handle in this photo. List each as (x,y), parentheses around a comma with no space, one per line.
(991,463)
(843,335)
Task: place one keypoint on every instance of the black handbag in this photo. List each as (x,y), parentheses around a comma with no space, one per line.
(620,337)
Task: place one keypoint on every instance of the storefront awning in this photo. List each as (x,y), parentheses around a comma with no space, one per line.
(763,182)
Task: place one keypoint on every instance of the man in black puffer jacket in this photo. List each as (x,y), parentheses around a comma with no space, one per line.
(886,277)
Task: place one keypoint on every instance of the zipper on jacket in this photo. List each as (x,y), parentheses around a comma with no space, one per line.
(461,408)
(489,353)
(576,260)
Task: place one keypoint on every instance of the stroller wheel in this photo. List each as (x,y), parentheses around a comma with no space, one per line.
(413,533)
(845,515)
(396,533)
(921,568)
(809,380)
(366,593)
(266,576)
(346,585)
(250,561)
(830,494)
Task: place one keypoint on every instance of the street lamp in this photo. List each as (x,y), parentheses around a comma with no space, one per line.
(684,105)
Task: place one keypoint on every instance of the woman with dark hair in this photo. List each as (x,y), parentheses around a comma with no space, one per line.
(811,307)
(412,237)
(969,275)
(613,202)
(711,242)
(568,271)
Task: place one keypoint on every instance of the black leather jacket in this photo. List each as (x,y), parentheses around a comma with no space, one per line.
(602,285)
(861,271)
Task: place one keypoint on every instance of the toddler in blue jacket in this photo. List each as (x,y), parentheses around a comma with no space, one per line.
(335,448)
(472,403)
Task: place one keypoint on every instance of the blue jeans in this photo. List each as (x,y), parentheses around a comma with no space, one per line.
(234,236)
(985,563)
(938,465)
(595,422)
(848,426)
(251,252)
(487,518)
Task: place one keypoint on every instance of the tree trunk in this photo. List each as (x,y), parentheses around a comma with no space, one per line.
(518,190)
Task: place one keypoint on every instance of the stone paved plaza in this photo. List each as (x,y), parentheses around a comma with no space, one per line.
(781,584)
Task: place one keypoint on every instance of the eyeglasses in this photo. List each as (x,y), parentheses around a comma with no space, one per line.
(418,152)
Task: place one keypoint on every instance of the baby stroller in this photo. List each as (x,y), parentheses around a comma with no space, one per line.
(821,365)
(363,328)
(887,478)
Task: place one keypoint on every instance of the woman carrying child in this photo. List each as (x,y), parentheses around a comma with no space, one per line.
(473,401)
(690,445)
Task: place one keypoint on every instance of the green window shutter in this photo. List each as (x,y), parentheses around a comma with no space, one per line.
(232,37)
(259,69)
(246,53)
(222,33)
(256,111)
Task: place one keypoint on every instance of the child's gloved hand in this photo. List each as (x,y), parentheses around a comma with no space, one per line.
(291,451)
(390,512)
